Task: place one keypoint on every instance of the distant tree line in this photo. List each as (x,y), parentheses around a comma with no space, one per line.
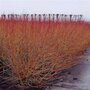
(42,17)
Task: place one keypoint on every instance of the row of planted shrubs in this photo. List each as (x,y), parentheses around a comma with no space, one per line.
(33,53)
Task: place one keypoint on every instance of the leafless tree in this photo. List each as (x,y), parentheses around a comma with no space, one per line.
(70,17)
(53,17)
(65,16)
(39,16)
(57,17)
(3,16)
(61,16)
(49,16)
(81,16)
(44,17)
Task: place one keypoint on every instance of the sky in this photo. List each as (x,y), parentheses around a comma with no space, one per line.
(46,6)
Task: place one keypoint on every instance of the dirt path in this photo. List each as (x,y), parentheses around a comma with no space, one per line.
(77,77)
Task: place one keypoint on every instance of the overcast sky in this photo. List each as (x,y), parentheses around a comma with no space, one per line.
(46,6)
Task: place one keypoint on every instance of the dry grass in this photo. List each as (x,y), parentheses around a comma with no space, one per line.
(35,52)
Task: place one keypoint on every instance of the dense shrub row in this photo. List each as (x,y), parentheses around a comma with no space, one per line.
(32,53)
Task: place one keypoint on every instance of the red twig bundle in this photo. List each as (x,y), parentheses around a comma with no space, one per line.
(34,52)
